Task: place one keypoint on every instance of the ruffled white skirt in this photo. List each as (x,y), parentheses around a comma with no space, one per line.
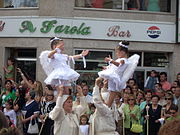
(115,82)
(62,76)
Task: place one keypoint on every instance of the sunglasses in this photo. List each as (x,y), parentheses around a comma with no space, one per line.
(172,112)
(168,98)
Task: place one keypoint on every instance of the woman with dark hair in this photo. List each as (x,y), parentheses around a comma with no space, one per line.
(30,111)
(18,104)
(7,93)
(154,113)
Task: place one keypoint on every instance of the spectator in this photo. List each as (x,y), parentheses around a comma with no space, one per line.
(7,93)
(83,83)
(117,114)
(170,128)
(85,91)
(175,83)
(153,5)
(174,113)
(131,82)
(148,96)
(140,96)
(9,70)
(8,111)
(157,86)
(151,81)
(30,110)
(46,106)
(163,81)
(161,94)
(103,117)
(166,108)
(177,97)
(3,121)
(178,77)
(10,123)
(18,104)
(133,5)
(10,131)
(154,113)
(84,126)
(128,90)
(132,115)
(65,116)
(173,89)
(135,90)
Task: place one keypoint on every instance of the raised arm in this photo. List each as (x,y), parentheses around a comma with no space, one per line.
(58,111)
(109,59)
(32,86)
(82,108)
(97,99)
(83,53)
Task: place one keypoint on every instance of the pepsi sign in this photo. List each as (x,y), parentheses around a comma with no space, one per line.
(153,32)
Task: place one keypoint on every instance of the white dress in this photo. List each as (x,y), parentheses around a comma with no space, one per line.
(114,75)
(62,73)
(118,75)
(84,129)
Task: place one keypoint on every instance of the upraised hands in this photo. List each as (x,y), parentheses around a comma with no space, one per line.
(85,52)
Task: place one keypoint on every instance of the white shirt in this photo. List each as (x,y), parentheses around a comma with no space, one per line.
(11,113)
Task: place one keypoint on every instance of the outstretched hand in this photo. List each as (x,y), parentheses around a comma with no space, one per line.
(19,70)
(85,52)
(98,81)
(60,90)
(107,59)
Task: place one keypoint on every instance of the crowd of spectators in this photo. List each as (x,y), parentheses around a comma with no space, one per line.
(29,104)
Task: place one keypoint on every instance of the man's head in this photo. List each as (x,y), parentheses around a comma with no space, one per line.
(85,90)
(163,76)
(177,91)
(174,111)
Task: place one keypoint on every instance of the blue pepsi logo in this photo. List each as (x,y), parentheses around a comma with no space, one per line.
(153,32)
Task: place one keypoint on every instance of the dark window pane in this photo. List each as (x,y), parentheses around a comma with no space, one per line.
(26,53)
(96,55)
(155,60)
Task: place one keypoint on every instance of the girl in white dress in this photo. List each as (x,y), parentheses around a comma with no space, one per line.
(84,126)
(119,70)
(55,64)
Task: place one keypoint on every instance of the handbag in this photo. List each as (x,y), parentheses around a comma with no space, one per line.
(33,129)
(137,128)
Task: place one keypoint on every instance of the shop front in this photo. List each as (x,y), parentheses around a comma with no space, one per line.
(25,37)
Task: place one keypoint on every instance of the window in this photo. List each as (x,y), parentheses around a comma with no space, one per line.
(94,64)
(18,3)
(25,60)
(149,61)
(142,5)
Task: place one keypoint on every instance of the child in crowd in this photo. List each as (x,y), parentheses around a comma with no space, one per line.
(119,70)
(84,126)
(55,64)
(9,70)
(8,111)
(151,81)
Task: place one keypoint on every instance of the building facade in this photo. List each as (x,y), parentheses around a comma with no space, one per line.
(25,30)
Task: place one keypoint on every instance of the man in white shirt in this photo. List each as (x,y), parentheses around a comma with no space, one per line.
(88,98)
